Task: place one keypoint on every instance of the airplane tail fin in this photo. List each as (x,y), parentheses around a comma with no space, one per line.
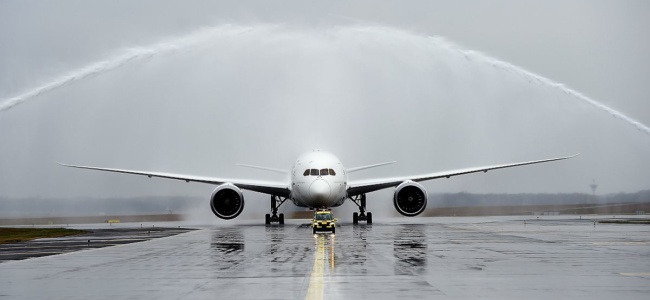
(350,170)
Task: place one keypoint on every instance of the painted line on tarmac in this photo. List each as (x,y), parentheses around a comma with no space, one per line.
(316,282)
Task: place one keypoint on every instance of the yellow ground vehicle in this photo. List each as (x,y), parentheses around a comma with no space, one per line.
(323,221)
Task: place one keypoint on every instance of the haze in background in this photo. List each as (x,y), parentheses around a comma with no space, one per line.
(263,82)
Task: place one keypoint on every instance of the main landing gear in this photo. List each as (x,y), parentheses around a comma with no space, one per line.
(360,201)
(276,201)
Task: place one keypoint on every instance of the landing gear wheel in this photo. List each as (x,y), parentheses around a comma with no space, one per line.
(360,201)
(314,230)
(333,230)
(276,202)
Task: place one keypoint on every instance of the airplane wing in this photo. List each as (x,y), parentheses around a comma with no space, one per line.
(366,186)
(282,171)
(350,170)
(271,188)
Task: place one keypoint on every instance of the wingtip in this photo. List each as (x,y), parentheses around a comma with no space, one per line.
(64,165)
(568,157)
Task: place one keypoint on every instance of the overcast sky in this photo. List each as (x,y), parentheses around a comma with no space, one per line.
(214,83)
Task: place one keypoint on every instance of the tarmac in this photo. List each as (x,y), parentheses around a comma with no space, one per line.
(95,238)
(515,257)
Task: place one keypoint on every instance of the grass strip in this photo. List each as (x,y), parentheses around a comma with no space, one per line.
(16,235)
(632,221)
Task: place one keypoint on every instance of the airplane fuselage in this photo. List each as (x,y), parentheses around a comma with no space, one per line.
(318,180)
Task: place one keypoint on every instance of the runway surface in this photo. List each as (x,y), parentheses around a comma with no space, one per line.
(416,258)
(95,238)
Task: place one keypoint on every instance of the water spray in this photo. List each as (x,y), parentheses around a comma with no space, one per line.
(207,34)
(119,60)
(532,77)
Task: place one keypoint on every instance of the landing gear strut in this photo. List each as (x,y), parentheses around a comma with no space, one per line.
(276,202)
(360,201)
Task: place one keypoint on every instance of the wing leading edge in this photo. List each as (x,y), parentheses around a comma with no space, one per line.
(350,170)
(272,188)
(366,186)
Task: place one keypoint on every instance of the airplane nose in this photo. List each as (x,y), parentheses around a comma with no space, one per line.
(320,190)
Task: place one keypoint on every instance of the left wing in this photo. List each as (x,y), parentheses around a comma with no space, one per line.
(272,188)
(366,186)
(282,171)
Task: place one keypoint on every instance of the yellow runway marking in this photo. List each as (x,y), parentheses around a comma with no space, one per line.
(316,284)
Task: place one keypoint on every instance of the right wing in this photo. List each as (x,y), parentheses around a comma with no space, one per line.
(271,188)
(350,170)
(366,186)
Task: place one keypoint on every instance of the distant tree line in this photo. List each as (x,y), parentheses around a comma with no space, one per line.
(468,199)
(96,206)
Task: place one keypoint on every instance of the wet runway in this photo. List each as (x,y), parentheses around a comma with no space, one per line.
(430,258)
(95,238)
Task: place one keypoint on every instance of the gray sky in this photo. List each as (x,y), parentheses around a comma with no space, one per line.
(362,80)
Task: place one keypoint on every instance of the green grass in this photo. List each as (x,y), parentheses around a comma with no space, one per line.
(15,235)
(627,221)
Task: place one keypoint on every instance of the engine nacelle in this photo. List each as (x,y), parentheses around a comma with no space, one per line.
(410,198)
(227,201)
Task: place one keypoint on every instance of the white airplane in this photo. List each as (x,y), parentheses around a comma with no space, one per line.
(318,181)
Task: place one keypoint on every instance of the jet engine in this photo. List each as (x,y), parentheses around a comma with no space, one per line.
(227,201)
(410,198)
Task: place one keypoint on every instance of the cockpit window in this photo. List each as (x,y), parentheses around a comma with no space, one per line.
(321,172)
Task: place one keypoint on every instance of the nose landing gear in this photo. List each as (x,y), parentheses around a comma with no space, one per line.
(276,202)
(360,201)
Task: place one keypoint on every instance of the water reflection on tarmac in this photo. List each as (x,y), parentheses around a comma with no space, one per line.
(488,257)
(409,249)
